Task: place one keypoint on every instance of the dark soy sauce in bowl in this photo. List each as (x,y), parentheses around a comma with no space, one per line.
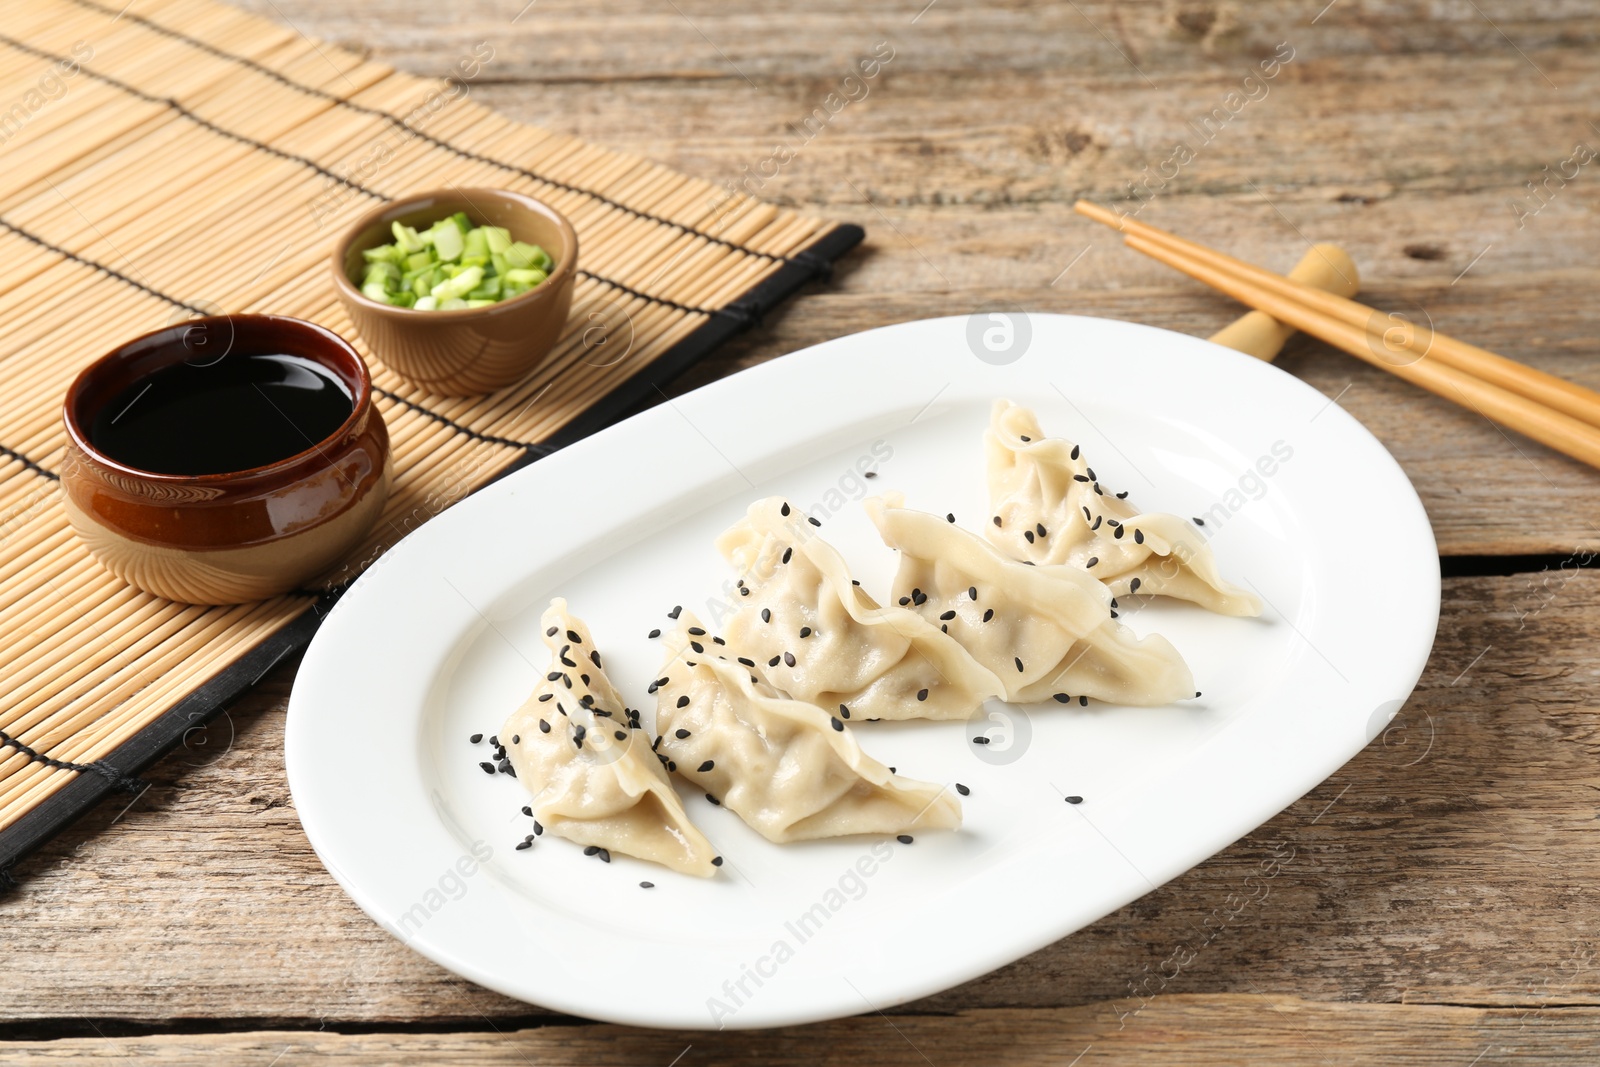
(234,414)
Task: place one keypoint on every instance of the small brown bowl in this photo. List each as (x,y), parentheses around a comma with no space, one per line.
(470,350)
(236,537)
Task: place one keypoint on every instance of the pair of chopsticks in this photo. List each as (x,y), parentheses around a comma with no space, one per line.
(1551,410)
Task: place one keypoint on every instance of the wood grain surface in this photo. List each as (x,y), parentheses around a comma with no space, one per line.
(1437,901)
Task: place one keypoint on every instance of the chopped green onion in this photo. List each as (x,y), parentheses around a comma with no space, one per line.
(451,264)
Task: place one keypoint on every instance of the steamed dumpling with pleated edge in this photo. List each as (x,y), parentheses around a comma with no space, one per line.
(791,770)
(579,750)
(1047,506)
(1045,631)
(821,639)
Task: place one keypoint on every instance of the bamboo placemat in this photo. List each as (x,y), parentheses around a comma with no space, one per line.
(179,157)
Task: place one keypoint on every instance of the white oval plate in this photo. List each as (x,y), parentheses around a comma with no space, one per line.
(440,640)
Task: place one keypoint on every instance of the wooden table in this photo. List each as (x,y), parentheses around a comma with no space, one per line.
(1437,901)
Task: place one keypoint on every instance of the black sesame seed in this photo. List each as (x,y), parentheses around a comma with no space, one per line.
(475,738)
(488,768)
(1113,603)
(784,510)
(1075,451)
(805,631)
(1092,475)
(1092,561)
(1133,586)
(1118,534)
(716,861)
(1025,437)
(647,885)
(845,711)
(683,702)
(922,694)
(526,810)
(1063,698)
(696,631)
(579,731)
(813,520)
(980,740)
(972,592)
(714,800)
(1096,524)
(1122,495)
(869,474)
(494,739)
(950,517)
(594,657)
(697,646)
(918,597)
(1028,534)
(774,661)
(1018,661)
(1083,702)
(1039,528)
(653,634)
(891,770)
(747,662)
(552,676)
(552,631)
(947,615)
(524,844)
(680,734)
(997,520)
(963,790)
(766,614)
(987,615)
(1198,521)
(1138,537)
(1080,477)
(676,610)
(837,725)
(707,765)
(537,828)
(788,553)
(516,739)
(1074,800)
(620,736)
(671,766)
(605,856)
(719,641)
(788,659)
(904,839)
(944,628)
(904,601)
(546,696)
(1197,692)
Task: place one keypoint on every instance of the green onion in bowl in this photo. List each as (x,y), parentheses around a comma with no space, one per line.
(452,264)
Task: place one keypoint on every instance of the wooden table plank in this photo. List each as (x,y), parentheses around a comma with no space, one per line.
(1452,862)
(1198,1031)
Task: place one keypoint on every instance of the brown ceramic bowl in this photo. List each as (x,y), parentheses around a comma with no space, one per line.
(470,350)
(226,538)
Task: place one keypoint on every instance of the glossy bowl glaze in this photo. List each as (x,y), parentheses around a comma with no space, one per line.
(236,537)
(470,350)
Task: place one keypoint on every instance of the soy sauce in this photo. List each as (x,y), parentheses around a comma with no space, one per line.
(237,413)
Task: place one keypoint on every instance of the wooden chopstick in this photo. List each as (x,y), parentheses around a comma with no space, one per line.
(1406,345)
(1543,422)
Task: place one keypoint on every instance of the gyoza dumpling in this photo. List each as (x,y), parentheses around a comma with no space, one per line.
(1045,631)
(823,640)
(579,751)
(789,769)
(1047,507)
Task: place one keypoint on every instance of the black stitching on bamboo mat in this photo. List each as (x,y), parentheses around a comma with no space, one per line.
(101,267)
(126,783)
(820,267)
(169,102)
(44,472)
